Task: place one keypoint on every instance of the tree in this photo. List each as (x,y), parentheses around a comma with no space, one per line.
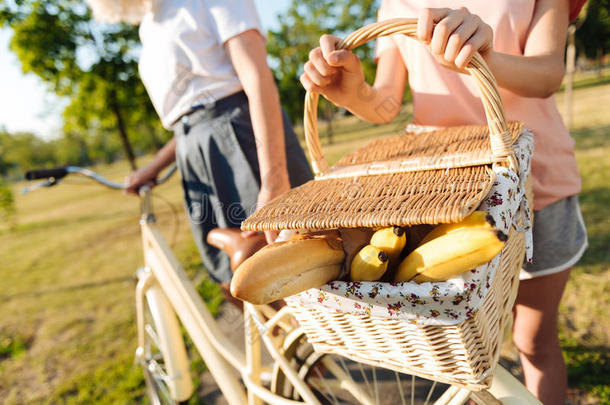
(593,37)
(92,64)
(23,151)
(7,205)
(300,30)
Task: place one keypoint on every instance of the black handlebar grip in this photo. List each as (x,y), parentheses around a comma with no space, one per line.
(56,173)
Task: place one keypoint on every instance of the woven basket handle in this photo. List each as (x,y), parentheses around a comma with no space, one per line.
(500,136)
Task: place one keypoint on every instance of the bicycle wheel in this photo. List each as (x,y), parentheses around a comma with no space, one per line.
(163,355)
(336,380)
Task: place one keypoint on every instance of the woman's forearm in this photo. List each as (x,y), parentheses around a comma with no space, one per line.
(375,104)
(528,76)
(381,102)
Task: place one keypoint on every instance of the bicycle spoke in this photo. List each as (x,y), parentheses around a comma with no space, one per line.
(375,385)
(366,380)
(400,391)
(339,380)
(161,378)
(334,399)
(156,356)
(155,367)
(153,335)
(412,389)
(430,393)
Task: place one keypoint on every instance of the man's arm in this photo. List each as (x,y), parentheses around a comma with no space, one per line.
(147,174)
(249,57)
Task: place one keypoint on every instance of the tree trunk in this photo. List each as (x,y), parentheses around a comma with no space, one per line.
(84,152)
(122,130)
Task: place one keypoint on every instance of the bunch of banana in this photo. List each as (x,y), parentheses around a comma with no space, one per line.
(384,250)
(391,240)
(475,220)
(369,264)
(451,249)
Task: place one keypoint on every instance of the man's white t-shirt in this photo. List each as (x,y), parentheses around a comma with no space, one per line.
(183,61)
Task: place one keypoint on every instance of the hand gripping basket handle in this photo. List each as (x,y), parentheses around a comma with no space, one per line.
(500,137)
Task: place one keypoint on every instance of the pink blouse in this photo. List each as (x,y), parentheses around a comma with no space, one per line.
(442,97)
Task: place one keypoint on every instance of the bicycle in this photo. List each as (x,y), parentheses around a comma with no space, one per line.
(298,374)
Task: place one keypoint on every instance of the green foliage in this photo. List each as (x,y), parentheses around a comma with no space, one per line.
(589,368)
(23,151)
(7,208)
(116,381)
(45,38)
(210,292)
(593,37)
(11,346)
(300,30)
(92,64)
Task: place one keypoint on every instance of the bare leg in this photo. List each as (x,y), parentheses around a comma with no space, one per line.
(536,337)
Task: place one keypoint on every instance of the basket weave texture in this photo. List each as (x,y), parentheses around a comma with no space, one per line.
(463,354)
(406,180)
(415,178)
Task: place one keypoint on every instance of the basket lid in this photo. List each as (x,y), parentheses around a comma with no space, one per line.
(417,178)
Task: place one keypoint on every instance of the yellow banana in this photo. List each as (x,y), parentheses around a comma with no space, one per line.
(391,240)
(451,254)
(369,264)
(476,219)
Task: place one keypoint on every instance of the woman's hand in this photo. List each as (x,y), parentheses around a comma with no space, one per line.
(458,34)
(337,74)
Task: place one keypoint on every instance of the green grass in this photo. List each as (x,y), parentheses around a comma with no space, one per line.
(67,334)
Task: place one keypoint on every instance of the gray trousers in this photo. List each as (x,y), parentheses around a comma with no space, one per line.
(216,156)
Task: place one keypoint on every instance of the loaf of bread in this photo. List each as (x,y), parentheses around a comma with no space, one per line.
(286,268)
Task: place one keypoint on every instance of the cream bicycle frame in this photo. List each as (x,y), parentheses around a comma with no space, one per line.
(228,362)
(221,356)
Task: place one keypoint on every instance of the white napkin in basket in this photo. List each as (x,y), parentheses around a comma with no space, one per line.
(441,303)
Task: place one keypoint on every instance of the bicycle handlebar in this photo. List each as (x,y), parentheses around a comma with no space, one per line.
(57,173)
(60,172)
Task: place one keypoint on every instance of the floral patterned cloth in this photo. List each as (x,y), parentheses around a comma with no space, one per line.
(439,303)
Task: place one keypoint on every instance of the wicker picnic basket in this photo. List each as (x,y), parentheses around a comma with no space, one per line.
(428,178)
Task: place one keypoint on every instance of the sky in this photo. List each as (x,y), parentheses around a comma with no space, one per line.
(25,103)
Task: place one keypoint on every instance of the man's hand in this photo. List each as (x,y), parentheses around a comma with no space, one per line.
(146,176)
(268,192)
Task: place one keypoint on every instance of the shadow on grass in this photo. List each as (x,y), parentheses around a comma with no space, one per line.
(589,369)
(591,137)
(116,380)
(12,345)
(57,223)
(592,201)
(92,284)
(589,82)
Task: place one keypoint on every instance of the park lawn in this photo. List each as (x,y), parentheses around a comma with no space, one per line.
(67,334)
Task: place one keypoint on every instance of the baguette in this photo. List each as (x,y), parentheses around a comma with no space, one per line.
(286,268)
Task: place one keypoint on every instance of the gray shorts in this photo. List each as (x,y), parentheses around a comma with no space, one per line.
(217,158)
(560,239)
